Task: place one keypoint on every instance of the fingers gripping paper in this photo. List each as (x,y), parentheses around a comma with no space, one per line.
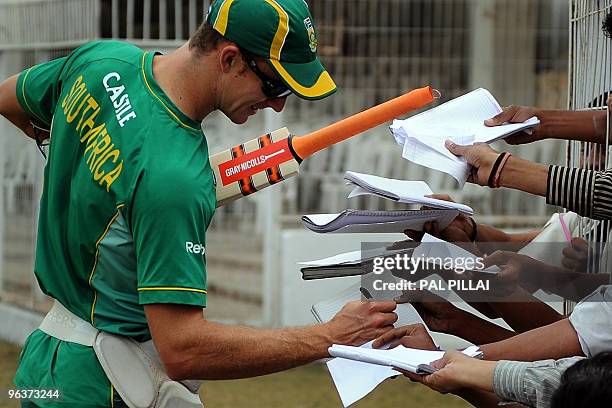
(460,120)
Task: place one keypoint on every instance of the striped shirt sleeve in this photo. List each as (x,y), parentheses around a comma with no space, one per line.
(529,383)
(586,192)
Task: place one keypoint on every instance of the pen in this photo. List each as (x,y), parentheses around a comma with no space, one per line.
(566,231)
(366,293)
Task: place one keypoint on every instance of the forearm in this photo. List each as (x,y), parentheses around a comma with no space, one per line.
(512,242)
(524,175)
(585,192)
(556,340)
(479,331)
(573,285)
(192,347)
(477,375)
(479,398)
(487,233)
(522,238)
(216,351)
(587,126)
(10,108)
(523,312)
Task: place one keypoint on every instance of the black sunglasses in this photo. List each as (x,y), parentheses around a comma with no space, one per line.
(272,88)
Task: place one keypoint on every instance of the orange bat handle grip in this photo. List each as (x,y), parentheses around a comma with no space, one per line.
(311,143)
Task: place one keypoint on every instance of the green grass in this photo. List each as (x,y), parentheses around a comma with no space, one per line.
(304,387)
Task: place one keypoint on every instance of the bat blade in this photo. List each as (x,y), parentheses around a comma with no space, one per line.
(249,167)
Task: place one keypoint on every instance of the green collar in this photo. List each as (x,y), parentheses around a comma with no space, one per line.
(161,97)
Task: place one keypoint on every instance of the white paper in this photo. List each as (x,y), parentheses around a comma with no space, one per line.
(325,310)
(364,221)
(460,120)
(352,257)
(358,370)
(354,379)
(404,191)
(401,357)
(432,138)
(344,258)
(424,155)
(432,247)
(322,219)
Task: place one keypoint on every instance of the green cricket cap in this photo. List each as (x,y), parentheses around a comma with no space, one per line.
(283,33)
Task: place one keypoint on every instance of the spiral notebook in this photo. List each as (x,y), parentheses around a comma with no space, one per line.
(403,191)
(365,221)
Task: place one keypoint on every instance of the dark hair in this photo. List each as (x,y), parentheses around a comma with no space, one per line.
(205,39)
(586,384)
(606,25)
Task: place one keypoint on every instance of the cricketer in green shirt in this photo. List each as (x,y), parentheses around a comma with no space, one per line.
(127,198)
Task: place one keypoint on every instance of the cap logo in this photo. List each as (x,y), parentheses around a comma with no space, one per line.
(312,38)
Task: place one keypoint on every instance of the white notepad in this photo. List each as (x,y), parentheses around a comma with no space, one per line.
(352,257)
(460,120)
(354,379)
(403,191)
(412,360)
(366,221)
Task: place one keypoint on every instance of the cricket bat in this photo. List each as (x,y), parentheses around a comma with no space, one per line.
(276,156)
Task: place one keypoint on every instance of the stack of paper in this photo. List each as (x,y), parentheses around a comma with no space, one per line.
(412,360)
(346,264)
(360,221)
(357,371)
(354,379)
(404,191)
(460,120)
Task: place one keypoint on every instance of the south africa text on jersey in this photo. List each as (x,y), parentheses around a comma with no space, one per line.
(102,156)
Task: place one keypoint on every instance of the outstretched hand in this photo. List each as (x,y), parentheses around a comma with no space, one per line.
(359,322)
(517,114)
(480,156)
(516,270)
(456,371)
(438,313)
(460,228)
(576,255)
(412,335)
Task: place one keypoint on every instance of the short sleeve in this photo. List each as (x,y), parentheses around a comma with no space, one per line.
(591,320)
(169,219)
(39,88)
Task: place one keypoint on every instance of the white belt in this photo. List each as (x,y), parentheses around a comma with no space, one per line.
(62,324)
(134,369)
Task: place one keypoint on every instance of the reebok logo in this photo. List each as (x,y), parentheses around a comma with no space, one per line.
(194,248)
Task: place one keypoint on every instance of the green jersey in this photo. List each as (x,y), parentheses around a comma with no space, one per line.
(128,192)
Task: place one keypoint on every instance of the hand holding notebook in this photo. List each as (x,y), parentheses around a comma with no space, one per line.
(460,120)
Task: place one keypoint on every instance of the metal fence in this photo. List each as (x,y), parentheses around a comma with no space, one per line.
(590,85)
(374,50)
